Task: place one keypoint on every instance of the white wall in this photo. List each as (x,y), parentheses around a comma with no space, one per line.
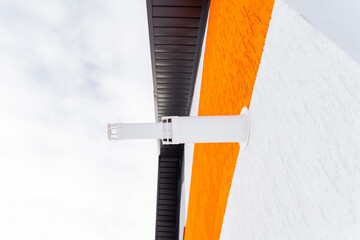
(300,175)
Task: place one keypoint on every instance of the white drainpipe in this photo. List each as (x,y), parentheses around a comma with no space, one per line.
(178,130)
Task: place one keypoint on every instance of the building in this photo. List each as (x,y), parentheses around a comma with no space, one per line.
(299,176)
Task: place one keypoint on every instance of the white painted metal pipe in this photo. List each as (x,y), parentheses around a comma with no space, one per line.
(120,131)
(177,130)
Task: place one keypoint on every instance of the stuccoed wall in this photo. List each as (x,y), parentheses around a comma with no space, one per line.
(300,176)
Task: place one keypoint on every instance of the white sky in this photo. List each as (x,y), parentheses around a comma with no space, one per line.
(66,69)
(338,20)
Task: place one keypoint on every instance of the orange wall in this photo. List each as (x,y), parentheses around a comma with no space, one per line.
(235,40)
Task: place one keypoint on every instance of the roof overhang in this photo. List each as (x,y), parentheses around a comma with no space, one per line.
(176,32)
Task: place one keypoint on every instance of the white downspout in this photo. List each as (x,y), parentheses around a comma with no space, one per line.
(178,130)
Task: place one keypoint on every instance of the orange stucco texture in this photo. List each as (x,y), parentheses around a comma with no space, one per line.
(235,40)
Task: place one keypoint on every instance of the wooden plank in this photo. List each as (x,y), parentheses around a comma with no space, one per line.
(168,88)
(169,164)
(168,186)
(167,202)
(172,112)
(176,22)
(166,229)
(175,113)
(173,85)
(168,191)
(174,80)
(171,235)
(171,99)
(162,177)
(175,48)
(167,207)
(176,40)
(170,159)
(170,108)
(167,213)
(169,176)
(169,170)
(174,63)
(168,197)
(176,32)
(173,75)
(165,238)
(166,223)
(163,108)
(173,109)
(186,12)
(183,90)
(178,95)
(175,56)
(192,3)
(180,105)
(174,95)
(174,69)
(167,218)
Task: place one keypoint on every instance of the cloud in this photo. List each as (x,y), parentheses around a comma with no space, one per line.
(66,69)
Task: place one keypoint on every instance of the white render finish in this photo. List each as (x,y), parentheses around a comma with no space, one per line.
(178,130)
(300,176)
